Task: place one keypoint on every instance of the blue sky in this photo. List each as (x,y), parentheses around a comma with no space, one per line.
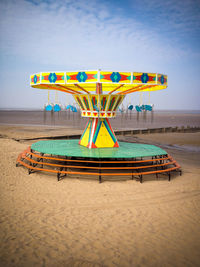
(130,35)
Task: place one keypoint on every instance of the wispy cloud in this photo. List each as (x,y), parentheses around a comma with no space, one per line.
(180,16)
(155,36)
(79,33)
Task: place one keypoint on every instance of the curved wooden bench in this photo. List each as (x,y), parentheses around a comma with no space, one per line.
(139,167)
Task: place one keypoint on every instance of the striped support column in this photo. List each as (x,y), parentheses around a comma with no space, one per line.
(98,133)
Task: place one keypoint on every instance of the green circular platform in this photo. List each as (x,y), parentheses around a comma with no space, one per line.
(71,148)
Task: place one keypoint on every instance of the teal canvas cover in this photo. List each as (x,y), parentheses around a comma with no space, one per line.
(71,148)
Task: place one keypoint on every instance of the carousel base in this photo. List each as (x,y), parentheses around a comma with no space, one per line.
(67,157)
(98,133)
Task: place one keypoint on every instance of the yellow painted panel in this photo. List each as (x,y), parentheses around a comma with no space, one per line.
(90,87)
(82,77)
(106,87)
(78,100)
(90,83)
(93,99)
(115,77)
(92,76)
(104,139)
(104,101)
(144,78)
(35,79)
(152,78)
(136,77)
(158,87)
(111,102)
(118,102)
(53,77)
(85,139)
(85,102)
(161,80)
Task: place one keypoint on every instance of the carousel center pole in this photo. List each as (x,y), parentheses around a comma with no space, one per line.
(98,132)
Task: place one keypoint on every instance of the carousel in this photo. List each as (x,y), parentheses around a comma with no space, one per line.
(98,152)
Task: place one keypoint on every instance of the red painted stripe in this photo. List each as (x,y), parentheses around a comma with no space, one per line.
(116,144)
(123,77)
(93,145)
(138,77)
(45,77)
(73,77)
(90,76)
(104,103)
(111,104)
(86,104)
(59,77)
(107,76)
(116,105)
(151,79)
(94,101)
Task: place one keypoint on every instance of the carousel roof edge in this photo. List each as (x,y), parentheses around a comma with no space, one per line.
(98,76)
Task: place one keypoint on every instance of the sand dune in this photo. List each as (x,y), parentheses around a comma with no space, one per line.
(79,222)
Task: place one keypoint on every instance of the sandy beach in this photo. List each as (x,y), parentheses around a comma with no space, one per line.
(79,222)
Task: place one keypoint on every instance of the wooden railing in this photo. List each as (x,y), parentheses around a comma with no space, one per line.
(64,166)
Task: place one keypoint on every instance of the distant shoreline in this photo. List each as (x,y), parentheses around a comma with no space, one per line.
(177,111)
(127,120)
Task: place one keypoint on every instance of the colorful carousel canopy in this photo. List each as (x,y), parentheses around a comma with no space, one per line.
(87,82)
